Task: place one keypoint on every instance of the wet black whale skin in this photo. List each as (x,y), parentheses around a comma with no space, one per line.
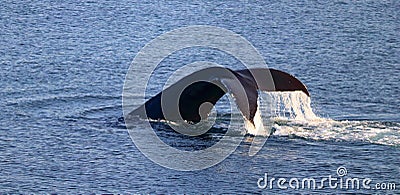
(209,85)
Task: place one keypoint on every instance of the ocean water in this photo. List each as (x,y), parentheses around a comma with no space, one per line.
(63,66)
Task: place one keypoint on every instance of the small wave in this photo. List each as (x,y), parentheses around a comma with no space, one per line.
(100,109)
(49,99)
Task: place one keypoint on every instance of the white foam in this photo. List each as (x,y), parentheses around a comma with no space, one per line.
(258,128)
(279,106)
(290,114)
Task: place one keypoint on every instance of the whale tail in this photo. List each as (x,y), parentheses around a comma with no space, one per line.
(193,97)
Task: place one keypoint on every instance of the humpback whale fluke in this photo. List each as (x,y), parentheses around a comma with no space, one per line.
(193,97)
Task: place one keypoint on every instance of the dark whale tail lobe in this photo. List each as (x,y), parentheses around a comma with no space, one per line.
(192,98)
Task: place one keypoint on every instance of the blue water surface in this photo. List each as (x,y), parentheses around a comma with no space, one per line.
(63,65)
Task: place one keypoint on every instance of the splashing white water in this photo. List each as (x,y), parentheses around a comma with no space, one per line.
(291,106)
(261,126)
(290,114)
(280,106)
